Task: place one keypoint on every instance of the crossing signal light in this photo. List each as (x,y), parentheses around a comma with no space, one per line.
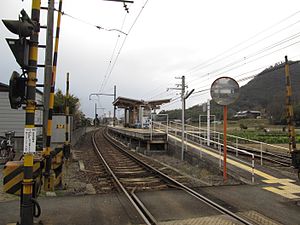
(19,27)
(24,27)
(20,49)
(17,86)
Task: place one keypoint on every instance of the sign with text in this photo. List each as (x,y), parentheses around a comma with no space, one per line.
(29,140)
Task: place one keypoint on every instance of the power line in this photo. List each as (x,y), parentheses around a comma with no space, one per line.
(241,43)
(91,24)
(248,46)
(217,58)
(111,58)
(244,59)
(205,89)
(161,93)
(173,101)
(119,52)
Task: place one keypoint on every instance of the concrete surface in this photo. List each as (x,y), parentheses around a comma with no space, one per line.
(248,197)
(76,210)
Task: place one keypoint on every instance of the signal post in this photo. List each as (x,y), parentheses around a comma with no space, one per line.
(30,130)
(26,54)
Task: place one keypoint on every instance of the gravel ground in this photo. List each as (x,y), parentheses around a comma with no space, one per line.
(78,182)
(206,176)
(75,182)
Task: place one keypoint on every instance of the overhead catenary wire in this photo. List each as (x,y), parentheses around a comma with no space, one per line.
(123,43)
(91,24)
(112,63)
(111,58)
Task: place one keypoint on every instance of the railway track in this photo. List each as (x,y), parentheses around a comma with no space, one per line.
(130,174)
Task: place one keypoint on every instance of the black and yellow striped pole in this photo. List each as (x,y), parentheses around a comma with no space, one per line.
(67,113)
(27,205)
(290,119)
(289,108)
(48,181)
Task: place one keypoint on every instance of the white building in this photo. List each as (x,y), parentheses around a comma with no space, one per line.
(14,119)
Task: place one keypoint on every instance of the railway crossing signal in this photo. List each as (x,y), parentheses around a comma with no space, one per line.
(26,54)
(24,27)
(17,90)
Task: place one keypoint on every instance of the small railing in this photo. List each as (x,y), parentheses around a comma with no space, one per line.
(193,138)
(234,142)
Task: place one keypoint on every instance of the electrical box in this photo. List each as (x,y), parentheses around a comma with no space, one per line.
(59,129)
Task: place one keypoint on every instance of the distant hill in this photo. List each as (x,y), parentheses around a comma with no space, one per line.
(266,93)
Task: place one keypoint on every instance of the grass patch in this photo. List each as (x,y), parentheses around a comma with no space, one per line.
(275,137)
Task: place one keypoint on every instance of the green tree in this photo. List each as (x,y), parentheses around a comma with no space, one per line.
(59,103)
(79,118)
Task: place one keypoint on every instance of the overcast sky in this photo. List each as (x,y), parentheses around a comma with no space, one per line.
(202,40)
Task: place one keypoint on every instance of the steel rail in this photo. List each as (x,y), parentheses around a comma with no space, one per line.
(180,185)
(129,197)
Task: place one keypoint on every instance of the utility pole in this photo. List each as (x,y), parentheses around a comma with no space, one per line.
(181,87)
(182,115)
(48,67)
(48,176)
(208,122)
(184,96)
(115,97)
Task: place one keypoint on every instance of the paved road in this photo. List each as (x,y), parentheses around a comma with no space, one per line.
(167,207)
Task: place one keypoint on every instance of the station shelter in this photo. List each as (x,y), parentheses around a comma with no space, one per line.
(137,113)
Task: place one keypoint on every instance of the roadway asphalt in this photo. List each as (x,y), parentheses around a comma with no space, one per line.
(168,207)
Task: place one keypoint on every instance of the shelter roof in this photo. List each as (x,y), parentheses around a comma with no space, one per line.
(122,102)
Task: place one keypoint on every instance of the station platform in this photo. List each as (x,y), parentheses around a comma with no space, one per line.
(147,139)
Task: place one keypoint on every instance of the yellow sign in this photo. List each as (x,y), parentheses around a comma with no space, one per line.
(60,126)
